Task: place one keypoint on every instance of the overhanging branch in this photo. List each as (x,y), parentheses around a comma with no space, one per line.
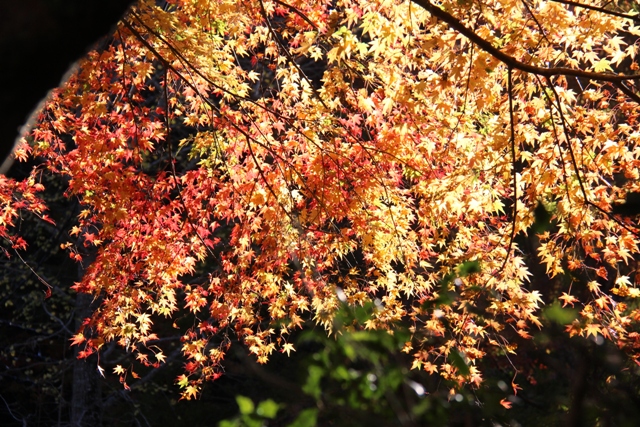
(599,9)
(510,61)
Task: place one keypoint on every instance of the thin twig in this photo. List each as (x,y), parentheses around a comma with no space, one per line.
(515,180)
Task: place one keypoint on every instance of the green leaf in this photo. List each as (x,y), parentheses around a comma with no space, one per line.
(245,404)
(542,219)
(468,267)
(445,297)
(364,313)
(252,421)
(458,361)
(268,409)
(341,373)
(559,315)
(391,380)
(349,351)
(312,386)
(306,418)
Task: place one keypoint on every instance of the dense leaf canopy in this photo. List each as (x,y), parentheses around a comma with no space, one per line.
(260,162)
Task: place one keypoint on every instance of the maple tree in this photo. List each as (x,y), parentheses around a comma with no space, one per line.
(219,175)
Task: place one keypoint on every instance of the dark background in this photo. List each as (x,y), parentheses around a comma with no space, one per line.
(39,41)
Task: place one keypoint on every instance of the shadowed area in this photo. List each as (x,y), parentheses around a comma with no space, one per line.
(39,40)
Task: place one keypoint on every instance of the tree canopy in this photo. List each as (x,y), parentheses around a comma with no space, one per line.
(259,163)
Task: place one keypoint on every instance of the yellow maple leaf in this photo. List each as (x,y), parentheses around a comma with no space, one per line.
(288,348)
(190,392)
(567,299)
(591,329)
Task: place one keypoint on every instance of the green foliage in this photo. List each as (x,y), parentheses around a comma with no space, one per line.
(306,418)
(359,376)
(458,361)
(542,219)
(252,415)
(556,313)
(266,411)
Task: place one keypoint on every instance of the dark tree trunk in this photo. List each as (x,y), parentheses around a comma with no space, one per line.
(579,391)
(86,395)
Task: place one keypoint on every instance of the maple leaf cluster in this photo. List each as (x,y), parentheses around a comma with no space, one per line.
(262,162)
(16,199)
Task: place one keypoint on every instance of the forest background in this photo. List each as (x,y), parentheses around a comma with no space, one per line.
(360,376)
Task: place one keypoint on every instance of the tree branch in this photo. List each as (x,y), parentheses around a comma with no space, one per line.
(627,91)
(598,9)
(510,61)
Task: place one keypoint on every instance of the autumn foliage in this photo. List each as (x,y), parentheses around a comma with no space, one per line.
(259,163)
